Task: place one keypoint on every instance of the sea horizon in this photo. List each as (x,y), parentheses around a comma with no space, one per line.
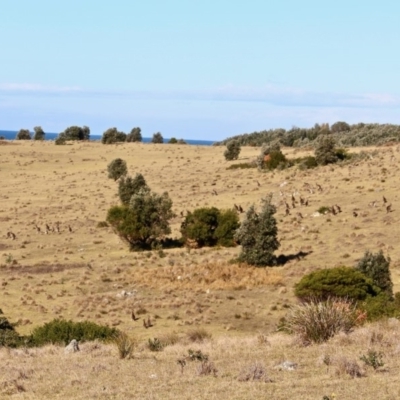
(10,135)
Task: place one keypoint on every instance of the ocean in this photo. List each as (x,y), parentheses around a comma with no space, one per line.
(10,135)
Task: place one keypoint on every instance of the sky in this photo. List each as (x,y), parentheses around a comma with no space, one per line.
(203,70)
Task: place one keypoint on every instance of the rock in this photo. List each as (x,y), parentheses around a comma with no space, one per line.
(287,366)
(73,347)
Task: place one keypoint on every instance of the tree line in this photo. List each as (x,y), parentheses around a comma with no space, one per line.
(344,134)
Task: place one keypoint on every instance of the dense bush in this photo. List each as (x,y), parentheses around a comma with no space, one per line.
(128,186)
(75,133)
(210,226)
(325,152)
(144,220)
(23,134)
(340,282)
(232,151)
(60,141)
(381,306)
(258,235)
(157,138)
(135,135)
(117,168)
(376,267)
(112,135)
(173,141)
(39,133)
(62,331)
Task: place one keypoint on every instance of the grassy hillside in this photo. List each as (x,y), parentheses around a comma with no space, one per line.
(90,274)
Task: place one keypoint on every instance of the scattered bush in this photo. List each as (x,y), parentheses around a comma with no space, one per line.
(62,331)
(117,168)
(8,336)
(155,345)
(75,133)
(318,321)
(373,359)
(232,151)
(376,267)
(23,134)
(102,224)
(39,133)
(157,138)
(340,282)
(198,335)
(135,135)
(258,235)
(308,162)
(112,135)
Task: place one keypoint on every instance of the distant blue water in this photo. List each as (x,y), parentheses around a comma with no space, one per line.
(10,135)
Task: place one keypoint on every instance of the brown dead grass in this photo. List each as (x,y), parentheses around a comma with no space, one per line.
(90,273)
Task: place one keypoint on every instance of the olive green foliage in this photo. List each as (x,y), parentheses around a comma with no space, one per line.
(181,141)
(157,138)
(376,267)
(232,151)
(339,282)
(135,135)
(271,157)
(356,135)
(117,168)
(75,133)
(23,134)
(60,141)
(325,152)
(172,141)
(318,321)
(128,186)
(144,220)
(258,235)
(307,162)
(210,226)
(39,133)
(243,166)
(382,306)
(62,331)
(112,135)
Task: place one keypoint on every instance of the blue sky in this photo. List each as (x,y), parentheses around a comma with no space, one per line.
(198,69)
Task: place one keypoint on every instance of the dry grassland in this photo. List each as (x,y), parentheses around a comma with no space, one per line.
(90,274)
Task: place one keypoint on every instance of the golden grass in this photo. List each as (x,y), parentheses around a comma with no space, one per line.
(90,273)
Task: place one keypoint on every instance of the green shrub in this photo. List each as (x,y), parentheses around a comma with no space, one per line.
(155,345)
(243,166)
(316,322)
(308,162)
(381,306)
(75,133)
(117,168)
(39,133)
(8,336)
(112,135)
(258,235)
(340,282)
(135,135)
(172,141)
(62,331)
(373,359)
(376,267)
(277,160)
(209,226)
(60,141)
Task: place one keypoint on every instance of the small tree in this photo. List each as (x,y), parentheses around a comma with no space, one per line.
(144,220)
(135,135)
(232,151)
(75,133)
(128,186)
(340,126)
(173,140)
(376,267)
(23,134)
(325,152)
(117,168)
(39,133)
(157,138)
(112,135)
(258,235)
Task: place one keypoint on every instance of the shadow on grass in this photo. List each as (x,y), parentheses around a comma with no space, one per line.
(282,259)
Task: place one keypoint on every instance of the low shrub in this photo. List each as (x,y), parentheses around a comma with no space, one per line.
(62,331)
(125,345)
(243,166)
(198,335)
(340,282)
(318,321)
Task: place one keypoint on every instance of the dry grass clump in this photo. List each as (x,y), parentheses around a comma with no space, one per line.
(198,335)
(318,321)
(125,344)
(254,372)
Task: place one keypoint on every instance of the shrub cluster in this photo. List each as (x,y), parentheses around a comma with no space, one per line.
(232,151)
